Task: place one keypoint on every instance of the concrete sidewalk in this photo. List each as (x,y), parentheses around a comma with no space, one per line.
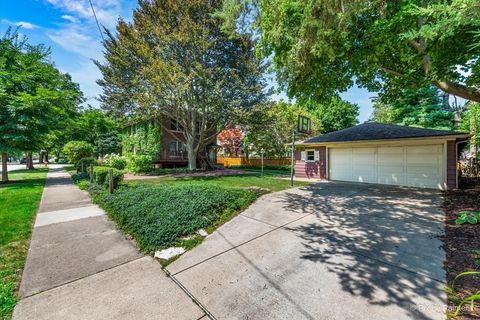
(80,266)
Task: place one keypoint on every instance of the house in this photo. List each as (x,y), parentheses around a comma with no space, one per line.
(166,136)
(382,153)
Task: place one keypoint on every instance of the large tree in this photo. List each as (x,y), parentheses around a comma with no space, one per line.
(421,107)
(173,60)
(320,47)
(34,96)
(334,114)
(271,126)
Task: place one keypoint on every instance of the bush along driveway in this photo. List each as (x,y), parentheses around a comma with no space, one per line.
(462,246)
(170,211)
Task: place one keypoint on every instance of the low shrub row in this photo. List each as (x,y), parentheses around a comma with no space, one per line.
(139,163)
(159,215)
(101,176)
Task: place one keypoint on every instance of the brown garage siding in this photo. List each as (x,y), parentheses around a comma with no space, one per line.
(451,165)
(316,170)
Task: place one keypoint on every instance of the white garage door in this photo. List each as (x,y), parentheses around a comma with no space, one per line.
(416,166)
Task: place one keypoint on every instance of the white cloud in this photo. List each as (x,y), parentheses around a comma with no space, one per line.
(22,24)
(69,18)
(75,39)
(78,33)
(107,11)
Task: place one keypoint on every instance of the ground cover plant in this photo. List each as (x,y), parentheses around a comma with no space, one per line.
(462,244)
(19,202)
(159,215)
(161,212)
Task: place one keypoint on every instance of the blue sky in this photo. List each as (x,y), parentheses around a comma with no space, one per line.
(68,27)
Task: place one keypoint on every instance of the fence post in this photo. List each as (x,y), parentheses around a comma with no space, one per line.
(91,172)
(261,153)
(83,166)
(293,159)
(110,181)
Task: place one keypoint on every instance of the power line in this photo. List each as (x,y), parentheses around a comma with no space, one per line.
(98,24)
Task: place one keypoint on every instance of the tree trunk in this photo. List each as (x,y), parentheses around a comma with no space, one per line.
(192,155)
(474,132)
(30,161)
(4,167)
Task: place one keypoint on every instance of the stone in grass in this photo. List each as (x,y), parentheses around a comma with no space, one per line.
(202,232)
(171,252)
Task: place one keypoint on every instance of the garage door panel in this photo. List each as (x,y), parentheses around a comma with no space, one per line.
(417,166)
(426,149)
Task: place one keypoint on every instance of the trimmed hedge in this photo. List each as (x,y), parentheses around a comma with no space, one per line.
(101,176)
(158,215)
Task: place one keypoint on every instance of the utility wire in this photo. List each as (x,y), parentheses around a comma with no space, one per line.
(98,24)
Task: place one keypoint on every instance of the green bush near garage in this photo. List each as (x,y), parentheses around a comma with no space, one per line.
(157,216)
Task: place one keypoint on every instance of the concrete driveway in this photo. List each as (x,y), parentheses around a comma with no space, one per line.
(325,251)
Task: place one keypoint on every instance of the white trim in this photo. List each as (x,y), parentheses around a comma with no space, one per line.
(306,155)
(419,140)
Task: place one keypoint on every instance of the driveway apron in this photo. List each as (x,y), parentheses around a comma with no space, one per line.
(326,251)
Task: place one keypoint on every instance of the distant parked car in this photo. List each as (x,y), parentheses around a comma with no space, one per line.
(22,160)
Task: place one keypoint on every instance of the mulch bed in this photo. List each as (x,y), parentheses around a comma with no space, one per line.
(212,173)
(460,244)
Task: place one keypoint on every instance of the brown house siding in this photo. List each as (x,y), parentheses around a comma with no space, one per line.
(315,170)
(451,165)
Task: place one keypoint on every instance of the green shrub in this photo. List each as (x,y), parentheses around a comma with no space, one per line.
(76,150)
(471,217)
(101,176)
(115,161)
(86,164)
(158,215)
(139,163)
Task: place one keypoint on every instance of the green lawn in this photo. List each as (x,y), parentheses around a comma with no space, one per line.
(272,180)
(19,201)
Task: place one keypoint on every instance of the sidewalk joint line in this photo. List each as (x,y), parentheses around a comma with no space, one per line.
(237,246)
(189,294)
(81,278)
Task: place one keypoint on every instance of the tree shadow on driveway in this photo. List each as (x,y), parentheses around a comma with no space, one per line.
(381,242)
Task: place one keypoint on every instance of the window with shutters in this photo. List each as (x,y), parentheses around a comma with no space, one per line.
(310,155)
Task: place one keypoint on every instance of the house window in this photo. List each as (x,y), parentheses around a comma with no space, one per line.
(176,147)
(175,125)
(310,155)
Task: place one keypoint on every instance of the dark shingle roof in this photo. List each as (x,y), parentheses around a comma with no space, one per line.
(379,131)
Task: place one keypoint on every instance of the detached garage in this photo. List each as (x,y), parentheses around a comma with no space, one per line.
(384,154)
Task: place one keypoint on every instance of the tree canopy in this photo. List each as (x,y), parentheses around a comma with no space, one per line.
(334,114)
(414,107)
(173,60)
(35,96)
(319,48)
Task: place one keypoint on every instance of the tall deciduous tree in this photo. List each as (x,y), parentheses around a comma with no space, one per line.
(471,123)
(319,47)
(272,125)
(173,60)
(422,107)
(334,114)
(34,95)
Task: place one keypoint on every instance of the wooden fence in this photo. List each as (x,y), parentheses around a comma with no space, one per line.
(238,161)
